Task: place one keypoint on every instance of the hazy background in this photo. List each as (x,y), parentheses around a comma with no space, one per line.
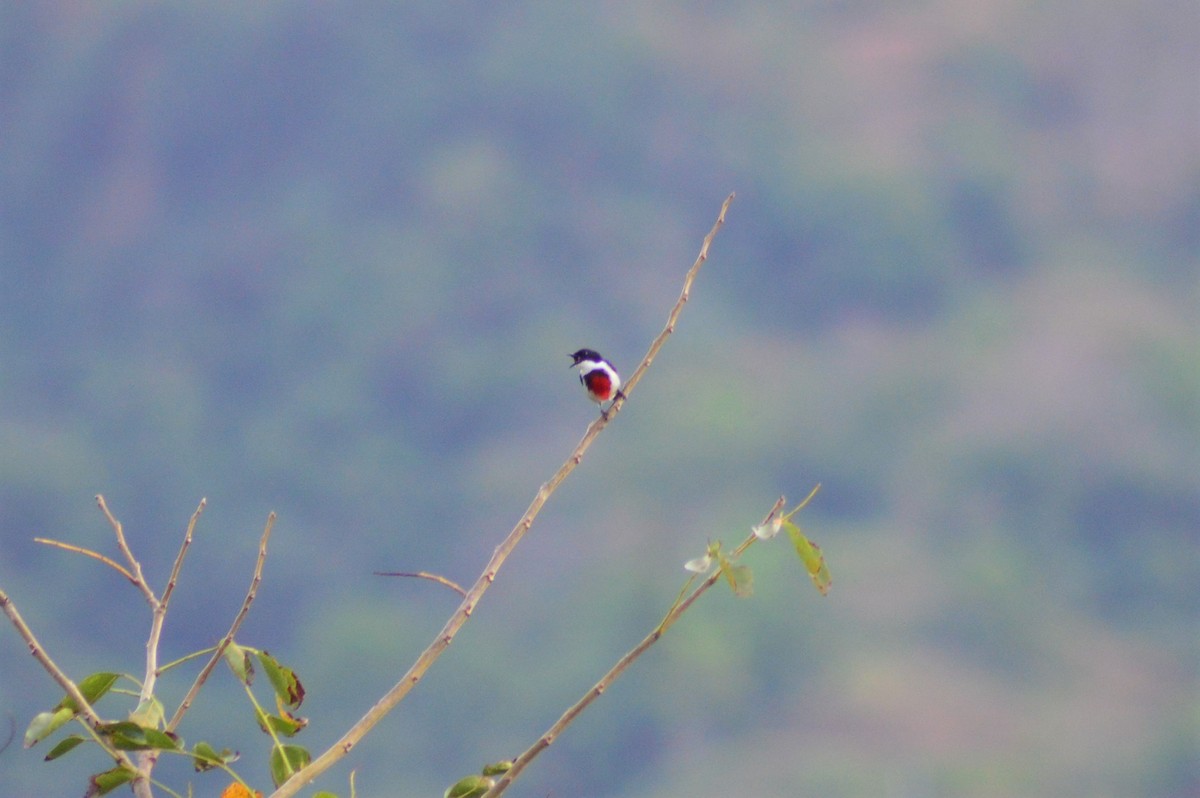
(328,259)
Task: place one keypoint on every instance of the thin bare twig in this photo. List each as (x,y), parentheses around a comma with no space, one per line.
(183,549)
(12,732)
(441,580)
(442,641)
(134,566)
(614,672)
(202,677)
(95,555)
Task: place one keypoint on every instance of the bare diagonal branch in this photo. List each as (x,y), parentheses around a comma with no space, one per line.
(40,654)
(673,317)
(614,673)
(183,549)
(444,637)
(251,592)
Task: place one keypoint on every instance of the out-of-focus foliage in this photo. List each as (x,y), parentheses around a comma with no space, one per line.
(329,260)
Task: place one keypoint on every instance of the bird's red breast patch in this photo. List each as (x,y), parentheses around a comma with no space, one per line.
(598,384)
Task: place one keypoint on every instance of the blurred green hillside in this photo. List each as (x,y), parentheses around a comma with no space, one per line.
(328,260)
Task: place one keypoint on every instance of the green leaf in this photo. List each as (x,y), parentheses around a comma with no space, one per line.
(286,760)
(93,688)
(64,745)
(498,768)
(285,724)
(811,556)
(324,794)
(46,723)
(128,736)
(109,780)
(124,735)
(96,685)
(470,787)
(205,757)
(149,713)
(739,577)
(238,660)
(164,741)
(283,680)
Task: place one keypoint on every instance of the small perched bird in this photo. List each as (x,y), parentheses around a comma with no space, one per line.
(598,377)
